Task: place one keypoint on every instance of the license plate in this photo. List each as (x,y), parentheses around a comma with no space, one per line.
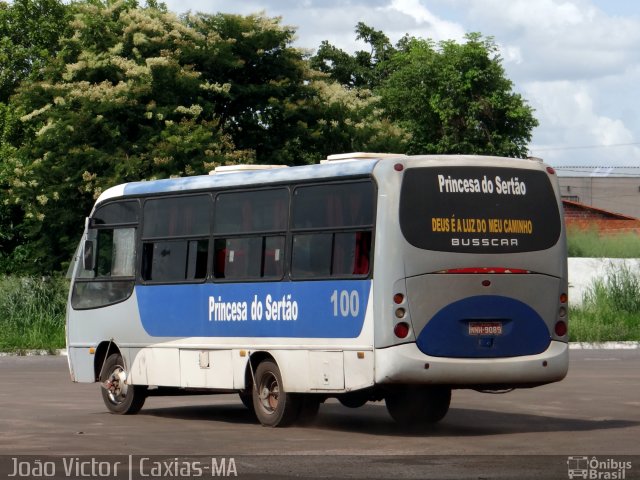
(485,328)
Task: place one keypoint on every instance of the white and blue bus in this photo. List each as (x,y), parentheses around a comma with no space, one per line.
(366,277)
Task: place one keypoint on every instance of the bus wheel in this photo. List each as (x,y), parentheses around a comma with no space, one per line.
(246,399)
(418,405)
(354,399)
(117,395)
(273,406)
(309,408)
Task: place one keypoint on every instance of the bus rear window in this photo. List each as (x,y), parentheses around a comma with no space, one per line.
(479,209)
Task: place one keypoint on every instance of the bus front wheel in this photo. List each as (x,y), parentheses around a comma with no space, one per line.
(118,396)
(418,405)
(273,406)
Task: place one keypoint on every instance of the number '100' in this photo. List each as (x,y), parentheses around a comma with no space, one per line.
(345,303)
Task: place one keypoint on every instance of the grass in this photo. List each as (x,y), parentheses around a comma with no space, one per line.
(590,243)
(32,313)
(610,310)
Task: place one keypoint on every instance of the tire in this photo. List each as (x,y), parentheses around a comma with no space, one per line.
(354,399)
(418,406)
(308,409)
(119,397)
(247,399)
(272,405)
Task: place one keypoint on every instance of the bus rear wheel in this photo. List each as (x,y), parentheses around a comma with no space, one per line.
(418,406)
(118,396)
(273,406)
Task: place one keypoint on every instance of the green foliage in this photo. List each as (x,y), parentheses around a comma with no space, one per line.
(455,98)
(32,313)
(103,92)
(592,244)
(362,69)
(29,33)
(450,97)
(610,309)
(123,101)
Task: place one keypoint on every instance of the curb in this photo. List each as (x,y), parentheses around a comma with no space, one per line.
(35,353)
(604,346)
(631,345)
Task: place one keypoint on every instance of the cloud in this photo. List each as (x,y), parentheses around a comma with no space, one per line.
(421,22)
(569,119)
(560,39)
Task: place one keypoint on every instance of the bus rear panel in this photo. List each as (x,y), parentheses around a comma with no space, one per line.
(476,284)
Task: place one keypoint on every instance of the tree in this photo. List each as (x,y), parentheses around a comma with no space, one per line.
(455,98)
(450,97)
(121,102)
(361,70)
(139,93)
(29,33)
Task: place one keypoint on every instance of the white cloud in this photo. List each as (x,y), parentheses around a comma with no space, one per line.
(568,39)
(569,118)
(425,23)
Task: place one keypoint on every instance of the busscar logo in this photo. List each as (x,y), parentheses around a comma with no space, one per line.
(594,468)
(484,242)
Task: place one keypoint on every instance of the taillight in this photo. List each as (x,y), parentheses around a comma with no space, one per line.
(401,330)
(561,328)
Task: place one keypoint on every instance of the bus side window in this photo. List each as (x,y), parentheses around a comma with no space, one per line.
(332,226)
(361,254)
(175,238)
(250,228)
(110,275)
(245,258)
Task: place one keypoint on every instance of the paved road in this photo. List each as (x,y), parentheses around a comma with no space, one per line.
(595,411)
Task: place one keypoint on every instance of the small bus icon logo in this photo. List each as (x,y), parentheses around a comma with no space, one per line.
(578,467)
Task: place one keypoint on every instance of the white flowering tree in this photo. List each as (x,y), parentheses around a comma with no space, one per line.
(140,93)
(123,100)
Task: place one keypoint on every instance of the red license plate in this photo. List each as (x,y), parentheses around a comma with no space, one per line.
(485,328)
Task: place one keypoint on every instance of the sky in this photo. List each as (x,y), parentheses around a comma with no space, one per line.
(576,62)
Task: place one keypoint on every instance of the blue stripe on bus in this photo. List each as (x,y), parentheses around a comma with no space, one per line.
(524,332)
(320,309)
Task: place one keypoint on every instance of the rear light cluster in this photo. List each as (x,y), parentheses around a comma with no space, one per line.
(400,329)
(561,328)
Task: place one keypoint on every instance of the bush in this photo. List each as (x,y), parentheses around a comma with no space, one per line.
(32,313)
(592,244)
(610,310)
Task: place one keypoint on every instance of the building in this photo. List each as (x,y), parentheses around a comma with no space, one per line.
(578,215)
(614,189)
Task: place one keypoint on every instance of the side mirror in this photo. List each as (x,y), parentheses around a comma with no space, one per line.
(88,257)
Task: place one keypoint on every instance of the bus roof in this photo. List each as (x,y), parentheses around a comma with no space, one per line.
(343,165)
(232,179)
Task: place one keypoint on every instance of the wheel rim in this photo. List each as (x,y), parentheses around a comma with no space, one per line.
(269,393)
(116,385)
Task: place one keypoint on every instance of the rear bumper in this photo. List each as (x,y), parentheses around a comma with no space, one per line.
(406,364)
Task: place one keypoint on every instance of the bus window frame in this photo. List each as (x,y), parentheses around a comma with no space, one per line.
(222,235)
(140,280)
(334,230)
(91,235)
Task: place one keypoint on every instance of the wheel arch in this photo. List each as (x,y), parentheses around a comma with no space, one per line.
(255,359)
(103,350)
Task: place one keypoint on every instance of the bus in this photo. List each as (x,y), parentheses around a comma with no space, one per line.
(366,277)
